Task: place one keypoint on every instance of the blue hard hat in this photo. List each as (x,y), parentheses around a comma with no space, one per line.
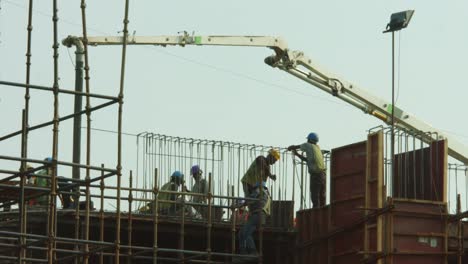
(313,137)
(195,170)
(177,174)
(48,159)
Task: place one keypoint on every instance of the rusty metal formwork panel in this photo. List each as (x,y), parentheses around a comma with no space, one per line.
(312,226)
(357,190)
(417,232)
(421,174)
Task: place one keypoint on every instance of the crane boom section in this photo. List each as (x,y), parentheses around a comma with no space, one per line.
(299,65)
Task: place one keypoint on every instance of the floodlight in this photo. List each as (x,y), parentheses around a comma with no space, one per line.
(399,21)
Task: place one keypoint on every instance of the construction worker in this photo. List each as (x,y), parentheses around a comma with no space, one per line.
(258,211)
(44,182)
(316,167)
(200,186)
(177,179)
(259,171)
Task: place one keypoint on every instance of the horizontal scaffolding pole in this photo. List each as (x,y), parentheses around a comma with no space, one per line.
(45,88)
(19,132)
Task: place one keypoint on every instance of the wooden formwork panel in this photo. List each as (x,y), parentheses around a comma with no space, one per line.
(421,174)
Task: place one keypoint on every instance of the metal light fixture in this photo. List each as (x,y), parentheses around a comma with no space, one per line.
(399,21)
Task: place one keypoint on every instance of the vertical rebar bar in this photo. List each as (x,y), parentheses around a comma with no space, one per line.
(155,216)
(209,222)
(53,187)
(119,132)
(101,215)
(130,219)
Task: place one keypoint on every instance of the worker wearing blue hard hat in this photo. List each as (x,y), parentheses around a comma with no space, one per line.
(177,179)
(316,166)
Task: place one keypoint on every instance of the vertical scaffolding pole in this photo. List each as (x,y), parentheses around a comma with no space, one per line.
(119,133)
(459,231)
(101,215)
(130,219)
(209,222)
(53,193)
(24,140)
(21,204)
(155,216)
(233,224)
(86,231)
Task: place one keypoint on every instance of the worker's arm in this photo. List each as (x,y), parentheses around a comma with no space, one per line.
(294,147)
(299,155)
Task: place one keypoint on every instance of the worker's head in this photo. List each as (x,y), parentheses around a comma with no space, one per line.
(48,164)
(177,177)
(273,156)
(196,172)
(312,138)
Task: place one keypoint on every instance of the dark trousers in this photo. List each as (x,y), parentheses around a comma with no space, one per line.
(246,241)
(318,188)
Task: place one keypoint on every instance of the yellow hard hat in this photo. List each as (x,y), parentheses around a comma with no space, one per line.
(274,153)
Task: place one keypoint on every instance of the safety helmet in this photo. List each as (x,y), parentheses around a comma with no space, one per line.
(274,153)
(48,159)
(177,174)
(313,137)
(195,170)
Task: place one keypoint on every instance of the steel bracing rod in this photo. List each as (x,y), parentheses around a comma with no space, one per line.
(62,91)
(119,131)
(64,163)
(59,120)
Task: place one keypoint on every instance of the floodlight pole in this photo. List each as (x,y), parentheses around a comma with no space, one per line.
(392,138)
(398,21)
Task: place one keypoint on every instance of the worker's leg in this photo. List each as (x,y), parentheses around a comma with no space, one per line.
(323,189)
(315,189)
(246,241)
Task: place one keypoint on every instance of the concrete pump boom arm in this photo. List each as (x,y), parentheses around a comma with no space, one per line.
(299,65)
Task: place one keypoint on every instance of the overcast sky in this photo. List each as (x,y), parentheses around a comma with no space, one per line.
(227,93)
